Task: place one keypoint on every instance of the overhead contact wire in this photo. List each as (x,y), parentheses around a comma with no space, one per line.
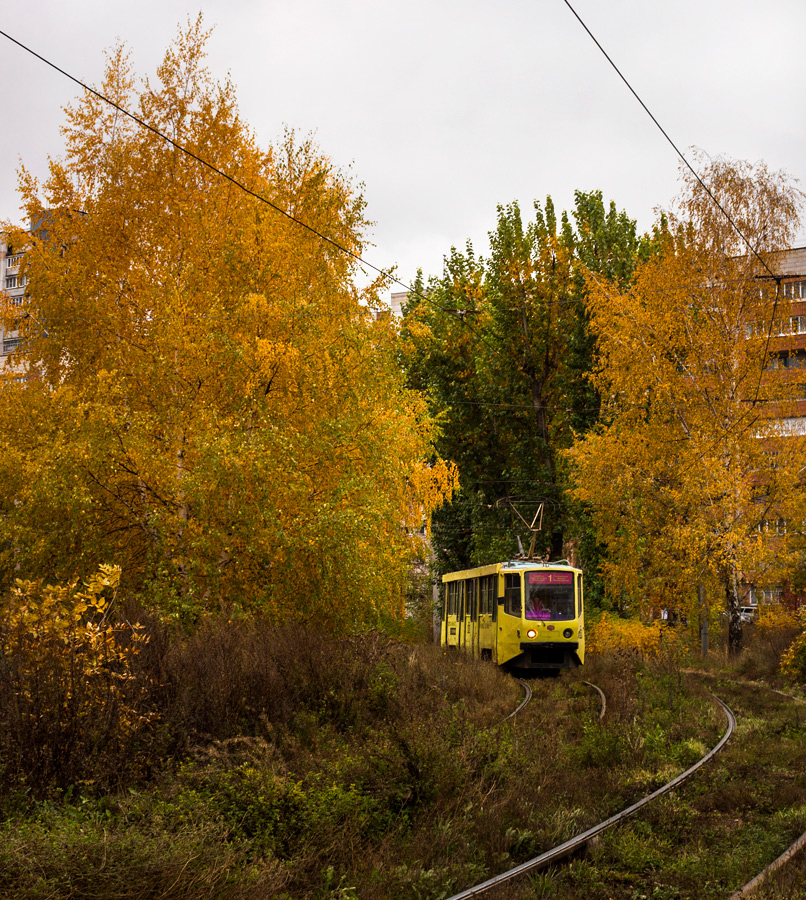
(357,257)
(671,142)
(384,273)
(748,244)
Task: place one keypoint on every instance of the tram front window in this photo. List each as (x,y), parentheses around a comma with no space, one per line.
(550,595)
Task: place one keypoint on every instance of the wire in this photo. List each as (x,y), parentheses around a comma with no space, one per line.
(672,143)
(204,162)
(459,314)
(384,273)
(751,248)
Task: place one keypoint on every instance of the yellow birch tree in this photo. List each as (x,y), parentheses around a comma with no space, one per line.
(211,405)
(679,472)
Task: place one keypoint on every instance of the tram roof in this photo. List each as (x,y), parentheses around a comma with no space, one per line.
(517,565)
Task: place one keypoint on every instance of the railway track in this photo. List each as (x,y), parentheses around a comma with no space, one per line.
(758,885)
(761,883)
(528,696)
(602,697)
(763,878)
(573,845)
(523,704)
(785,877)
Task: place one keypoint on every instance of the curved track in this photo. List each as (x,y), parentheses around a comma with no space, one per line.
(602,697)
(527,697)
(748,889)
(575,843)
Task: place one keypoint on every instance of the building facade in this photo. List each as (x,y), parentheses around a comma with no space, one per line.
(786,366)
(12,283)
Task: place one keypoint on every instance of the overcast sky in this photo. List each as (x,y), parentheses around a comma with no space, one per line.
(445,109)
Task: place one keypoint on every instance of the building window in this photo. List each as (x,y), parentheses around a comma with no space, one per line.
(794,290)
(772,526)
(795,425)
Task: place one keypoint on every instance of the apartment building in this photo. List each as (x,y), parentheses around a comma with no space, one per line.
(12,284)
(788,335)
(787,348)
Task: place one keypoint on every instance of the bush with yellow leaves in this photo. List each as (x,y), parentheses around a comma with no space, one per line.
(614,635)
(69,695)
(793,659)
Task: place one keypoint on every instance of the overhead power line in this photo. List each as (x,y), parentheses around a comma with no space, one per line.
(239,184)
(746,241)
(674,146)
(384,273)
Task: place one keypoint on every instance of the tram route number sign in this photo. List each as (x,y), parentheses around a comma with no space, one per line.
(551,578)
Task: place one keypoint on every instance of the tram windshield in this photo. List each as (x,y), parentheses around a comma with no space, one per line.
(550,595)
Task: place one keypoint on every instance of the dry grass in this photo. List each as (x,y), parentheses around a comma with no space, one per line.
(281,762)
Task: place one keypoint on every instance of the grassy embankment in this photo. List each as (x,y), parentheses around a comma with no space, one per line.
(723,827)
(250,761)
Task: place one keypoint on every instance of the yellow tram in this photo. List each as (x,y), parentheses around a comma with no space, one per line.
(524,614)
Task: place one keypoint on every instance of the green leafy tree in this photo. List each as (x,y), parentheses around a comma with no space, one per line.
(502,349)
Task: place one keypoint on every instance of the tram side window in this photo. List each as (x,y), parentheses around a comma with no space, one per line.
(486,599)
(580,606)
(512,595)
(472,597)
(451,598)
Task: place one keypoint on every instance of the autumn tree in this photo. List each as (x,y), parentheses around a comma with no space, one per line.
(211,405)
(679,472)
(500,345)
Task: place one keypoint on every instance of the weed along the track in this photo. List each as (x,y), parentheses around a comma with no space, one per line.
(716,832)
(282,764)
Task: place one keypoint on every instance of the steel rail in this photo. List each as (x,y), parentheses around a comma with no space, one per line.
(602,697)
(745,682)
(575,843)
(776,864)
(794,848)
(528,696)
(747,889)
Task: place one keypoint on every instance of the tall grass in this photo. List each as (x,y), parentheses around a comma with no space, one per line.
(249,760)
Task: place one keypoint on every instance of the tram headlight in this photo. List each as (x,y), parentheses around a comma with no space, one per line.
(531,633)
(568,633)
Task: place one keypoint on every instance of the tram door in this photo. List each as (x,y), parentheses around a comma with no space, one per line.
(486,620)
(460,612)
(472,593)
(452,620)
